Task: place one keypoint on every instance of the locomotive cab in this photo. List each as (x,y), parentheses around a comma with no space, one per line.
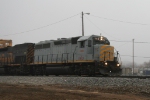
(105,56)
(95,48)
(85,49)
(102,49)
(98,49)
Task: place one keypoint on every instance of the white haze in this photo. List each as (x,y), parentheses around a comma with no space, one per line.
(22,15)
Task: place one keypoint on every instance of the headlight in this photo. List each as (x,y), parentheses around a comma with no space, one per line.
(101,38)
(105,63)
(118,65)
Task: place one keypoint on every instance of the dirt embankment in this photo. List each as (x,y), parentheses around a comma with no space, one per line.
(59,92)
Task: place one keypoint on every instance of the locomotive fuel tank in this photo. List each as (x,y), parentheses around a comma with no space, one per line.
(59,70)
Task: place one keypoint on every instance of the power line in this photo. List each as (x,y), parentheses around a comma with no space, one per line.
(112,36)
(122,45)
(95,25)
(135,56)
(72,17)
(142,42)
(119,41)
(42,26)
(119,20)
(130,41)
(99,28)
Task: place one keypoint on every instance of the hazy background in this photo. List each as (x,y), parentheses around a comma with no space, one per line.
(118,20)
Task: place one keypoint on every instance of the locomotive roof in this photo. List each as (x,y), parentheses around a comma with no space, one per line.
(23,44)
(84,38)
(44,42)
(60,39)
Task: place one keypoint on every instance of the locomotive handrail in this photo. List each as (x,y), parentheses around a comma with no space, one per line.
(42,59)
(104,55)
(62,58)
(45,58)
(51,58)
(119,60)
(3,60)
(38,59)
(67,56)
(73,57)
(74,52)
(56,58)
(7,60)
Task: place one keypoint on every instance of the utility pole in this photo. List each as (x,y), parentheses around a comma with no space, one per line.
(82,25)
(83,22)
(133,57)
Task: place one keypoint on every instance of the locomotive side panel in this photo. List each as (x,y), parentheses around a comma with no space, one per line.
(3,56)
(22,54)
(10,58)
(84,50)
(6,56)
(60,51)
(47,52)
(30,53)
(38,52)
(87,55)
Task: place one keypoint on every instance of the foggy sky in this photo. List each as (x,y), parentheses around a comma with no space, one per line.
(18,16)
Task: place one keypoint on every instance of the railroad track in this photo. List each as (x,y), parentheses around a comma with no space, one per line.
(140,77)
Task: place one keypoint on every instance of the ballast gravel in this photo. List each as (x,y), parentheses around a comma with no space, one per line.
(130,84)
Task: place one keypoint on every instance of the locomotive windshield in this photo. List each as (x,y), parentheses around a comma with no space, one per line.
(100,40)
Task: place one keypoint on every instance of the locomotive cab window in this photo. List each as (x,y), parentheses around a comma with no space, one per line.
(101,40)
(89,43)
(82,44)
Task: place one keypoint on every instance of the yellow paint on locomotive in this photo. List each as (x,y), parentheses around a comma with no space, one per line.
(106,53)
(60,62)
(6,59)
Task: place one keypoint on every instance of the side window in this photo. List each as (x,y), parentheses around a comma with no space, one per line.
(46,45)
(38,46)
(89,43)
(82,44)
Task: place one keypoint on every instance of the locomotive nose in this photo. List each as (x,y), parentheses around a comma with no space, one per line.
(106,53)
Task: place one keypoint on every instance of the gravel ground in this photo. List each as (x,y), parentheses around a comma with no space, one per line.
(133,85)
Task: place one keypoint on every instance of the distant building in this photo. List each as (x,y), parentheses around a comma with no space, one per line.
(5,43)
(144,71)
(126,71)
